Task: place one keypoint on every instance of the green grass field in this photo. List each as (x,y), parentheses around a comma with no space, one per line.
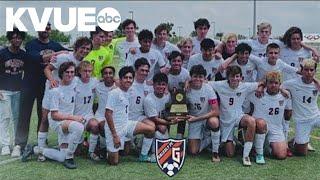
(199,167)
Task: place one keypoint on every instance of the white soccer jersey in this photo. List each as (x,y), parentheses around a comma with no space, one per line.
(102,92)
(210,66)
(259,49)
(177,81)
(137,92)
(118,103)
(154,106)
(199,100)
(154,58)
(84,98)
(231,100)
(294,59)
(122,49)
(304,99)
(247,70)
(166,50)
(263,67)
(197,47)
(271,109)
(62,98)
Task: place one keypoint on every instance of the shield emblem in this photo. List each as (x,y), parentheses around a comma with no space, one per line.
(281,103)
(170,155)
(238,94)
(202,99)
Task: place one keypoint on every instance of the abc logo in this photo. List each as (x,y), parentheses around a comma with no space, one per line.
(109,19)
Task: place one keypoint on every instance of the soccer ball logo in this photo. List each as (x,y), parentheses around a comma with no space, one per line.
(171,168)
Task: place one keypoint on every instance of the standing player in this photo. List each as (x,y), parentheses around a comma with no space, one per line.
(207,59)
(118,126)
(153,56)
(269,112)
(204,112)
(232,93)
(306,113)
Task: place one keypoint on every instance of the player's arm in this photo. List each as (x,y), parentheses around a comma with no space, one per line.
(48,73)
(109,119)
(219,47)
(314,51)
(214,112)
(57,116)
(227,62)
(160,121)
(316,83)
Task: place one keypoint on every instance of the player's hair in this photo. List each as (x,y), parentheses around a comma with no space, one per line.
(227,36)
(16,31)
(272,46)
(82,41)
(286,39)
(175,54)
(127,22)
(201,22)
(160,28)
(273,76)
(108,67)
(96,31)
(81,66)
(308,63)
(64,66)
(198,70)
(233,70)
(207,43)
(184,41)
(145,34)
(140,62)
(160,77)
(242,47)
(264,25)
(125,70)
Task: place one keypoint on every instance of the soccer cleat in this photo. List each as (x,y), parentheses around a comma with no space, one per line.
(16,152)
(246,161)
(215,157)
(28,152)
(94,157)
(70,164)
(260,159)
(5,151)
(146,158)
(310,148)
(289,153)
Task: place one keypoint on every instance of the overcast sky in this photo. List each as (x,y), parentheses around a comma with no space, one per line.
(230,16)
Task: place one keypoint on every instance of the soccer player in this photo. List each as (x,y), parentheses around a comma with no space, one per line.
(85,89)
(232,93)
(118,126)
(161,42)
(138,92)
(153,56)
(123,47)
(207,59)
(82,46)
(304,95)
(99,56)
(185,45)
(269,112)
(177,78)
(204,112)
(201,27)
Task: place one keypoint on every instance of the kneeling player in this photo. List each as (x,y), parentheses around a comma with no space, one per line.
(118,126)
(269,110)
(204,112)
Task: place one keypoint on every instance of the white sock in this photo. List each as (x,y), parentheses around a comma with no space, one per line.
(158,135)
(215,140)
(258,143)
(146,145)
(42,137)
(75,135)
(54,154)
(247,149)
(286,127)
(93,140)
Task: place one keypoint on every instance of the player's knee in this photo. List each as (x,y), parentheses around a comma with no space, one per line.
(162,129)
(251,122)
(230,149)
(261,126)
(213,123)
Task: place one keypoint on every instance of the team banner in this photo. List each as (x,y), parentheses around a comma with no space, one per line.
(170,155)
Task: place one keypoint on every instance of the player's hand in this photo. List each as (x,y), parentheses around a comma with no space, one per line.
(285,93)
(191,118)
(79,119)
(165,70)
(54,84)
(116,141)
(149,82)
(259,92)
(217,56)
(133,50)
(53,59)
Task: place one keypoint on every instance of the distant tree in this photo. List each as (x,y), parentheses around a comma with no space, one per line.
(4,40)
(240,36)
(193,34)
(219,35)
(59,36)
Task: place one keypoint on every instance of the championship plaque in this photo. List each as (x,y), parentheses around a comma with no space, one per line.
(178,105)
